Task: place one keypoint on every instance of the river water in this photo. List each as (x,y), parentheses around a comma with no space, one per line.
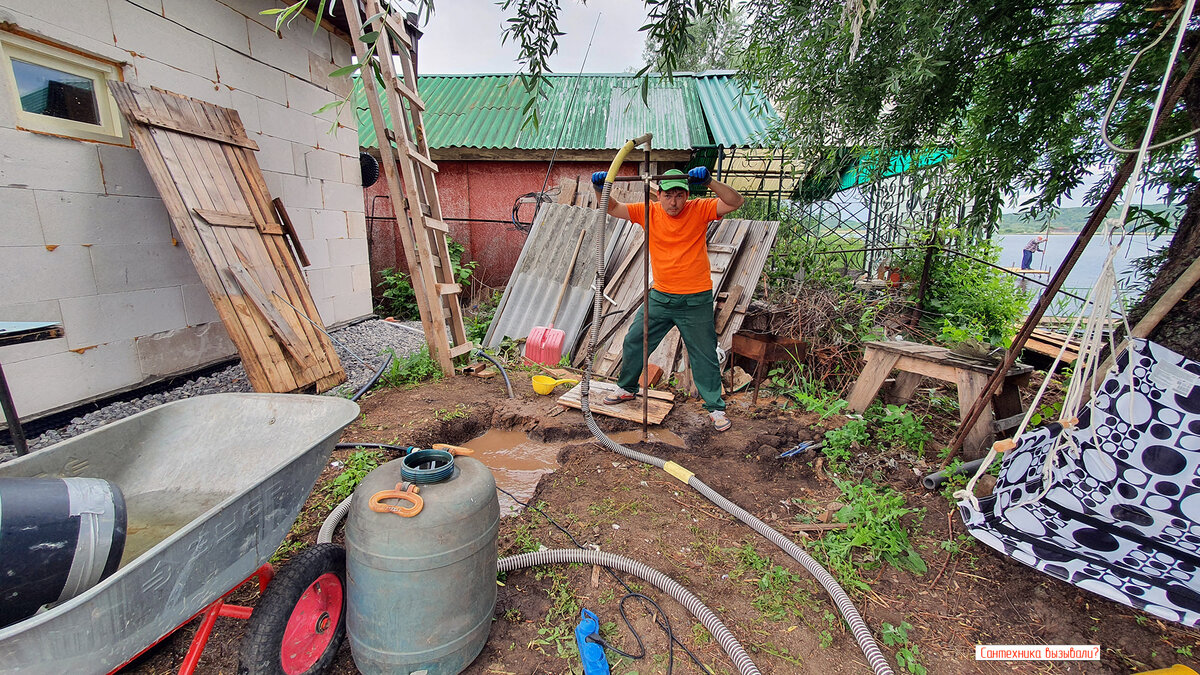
(1087,270)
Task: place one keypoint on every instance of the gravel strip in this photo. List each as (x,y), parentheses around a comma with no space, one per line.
(359,346)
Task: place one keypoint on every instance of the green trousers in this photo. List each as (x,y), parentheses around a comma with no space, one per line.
(693,315)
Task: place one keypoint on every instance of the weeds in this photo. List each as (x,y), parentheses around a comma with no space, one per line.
(907,653)
(357,466)
(776,598)
(410,370)
(876,530)
(808,391)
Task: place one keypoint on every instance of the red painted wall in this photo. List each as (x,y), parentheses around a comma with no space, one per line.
(479,190)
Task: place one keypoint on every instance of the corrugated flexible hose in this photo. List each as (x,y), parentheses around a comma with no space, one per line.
(849,612)
(668,585)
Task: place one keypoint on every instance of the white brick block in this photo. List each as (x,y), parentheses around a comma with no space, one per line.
(300,192)
(352,170)
(286,54)
(339,282)
(356,225)
(317,163)
(246,105)
(329,224)
(73,218)
(46,310)
(362,277)
(327,309)
(117,316)
(318,254)
(347,252)
(184,348)
(288,123)
(155,6)
(65,378)
(341,139)
(343,196)
(154,37)
(301,221)
(124,172)
(316,283)
(132,267)
(33,273)
(83,18)
(151,73)
(19,224)
(198,306)
(48,163)
(46,24)
(319,70)
(353,307)
(251,10)
(211,19)
(309,98)
(342,51)
(274,154)
(274,181)
(241,72)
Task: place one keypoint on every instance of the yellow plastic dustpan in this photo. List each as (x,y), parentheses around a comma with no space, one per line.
(544,385)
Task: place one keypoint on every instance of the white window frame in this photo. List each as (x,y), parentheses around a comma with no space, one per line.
(111,129)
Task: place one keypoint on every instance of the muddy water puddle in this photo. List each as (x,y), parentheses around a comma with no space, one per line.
(516,461)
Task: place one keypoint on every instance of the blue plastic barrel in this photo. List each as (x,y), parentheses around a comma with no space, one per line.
(58,538)
(421,591)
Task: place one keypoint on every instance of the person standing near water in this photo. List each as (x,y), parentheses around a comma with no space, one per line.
(1032,247)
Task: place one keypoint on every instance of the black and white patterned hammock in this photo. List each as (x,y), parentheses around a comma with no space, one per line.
(1120,512)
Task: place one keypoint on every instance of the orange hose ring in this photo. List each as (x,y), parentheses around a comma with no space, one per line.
(410,495)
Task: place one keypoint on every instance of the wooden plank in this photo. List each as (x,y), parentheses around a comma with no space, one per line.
(294,238)
(659,405)
(163,122)
(970,386)
(906,385)
(458,350)
(412,96)
(727,307)
(435,224)
(415,154)
(448,289)
(293,343)
(942,371)
(226,219)
(879,365)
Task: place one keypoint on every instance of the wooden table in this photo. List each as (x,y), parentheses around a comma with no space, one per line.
(916,361)
(15,333)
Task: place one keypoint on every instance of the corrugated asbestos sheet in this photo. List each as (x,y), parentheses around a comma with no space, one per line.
(485,111)
(528,300)
(736,117)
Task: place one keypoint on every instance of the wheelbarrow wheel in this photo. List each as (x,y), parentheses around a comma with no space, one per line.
(300,622)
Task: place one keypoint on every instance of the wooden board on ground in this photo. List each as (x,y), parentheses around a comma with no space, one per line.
(1049,343)
(205,170)
(661,403)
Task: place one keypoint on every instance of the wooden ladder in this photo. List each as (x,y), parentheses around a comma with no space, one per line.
(413,190)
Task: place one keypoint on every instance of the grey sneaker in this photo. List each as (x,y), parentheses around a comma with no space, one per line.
(720,421)
(618,396)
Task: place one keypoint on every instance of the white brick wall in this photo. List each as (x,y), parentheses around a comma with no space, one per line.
(84,236)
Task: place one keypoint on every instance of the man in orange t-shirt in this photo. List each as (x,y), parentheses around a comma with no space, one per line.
(682,294)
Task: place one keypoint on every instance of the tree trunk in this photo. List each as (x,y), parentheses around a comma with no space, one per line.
(1180,329)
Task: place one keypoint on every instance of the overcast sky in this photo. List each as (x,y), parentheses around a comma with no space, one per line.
(463,36)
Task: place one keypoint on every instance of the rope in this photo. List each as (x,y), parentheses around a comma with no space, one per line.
(1092,341)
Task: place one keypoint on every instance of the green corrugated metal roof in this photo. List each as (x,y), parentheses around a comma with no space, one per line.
(485,111)
(736,116)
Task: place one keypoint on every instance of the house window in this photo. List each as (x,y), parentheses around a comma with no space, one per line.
(61,92)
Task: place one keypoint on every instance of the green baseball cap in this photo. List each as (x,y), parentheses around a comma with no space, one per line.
(672,183)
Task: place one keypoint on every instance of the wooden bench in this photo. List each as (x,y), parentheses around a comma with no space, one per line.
(916,361)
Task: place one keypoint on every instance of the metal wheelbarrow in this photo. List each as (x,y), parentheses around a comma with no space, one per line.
(212,485)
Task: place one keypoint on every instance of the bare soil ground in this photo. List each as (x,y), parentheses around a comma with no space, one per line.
(969,595)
